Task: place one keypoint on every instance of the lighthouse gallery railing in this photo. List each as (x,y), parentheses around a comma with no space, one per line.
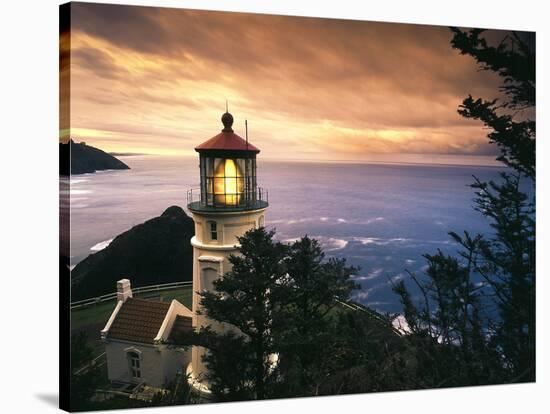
(247,200)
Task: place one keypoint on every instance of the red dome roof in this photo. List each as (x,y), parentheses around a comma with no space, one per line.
(227,140)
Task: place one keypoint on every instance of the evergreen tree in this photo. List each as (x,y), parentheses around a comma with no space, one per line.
(277,304)
(447,329)
(366,355)
(304,328)
(467,334)
(240,362)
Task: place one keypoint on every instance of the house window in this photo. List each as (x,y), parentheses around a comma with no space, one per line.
(135,364)
(213,230)
(261,221)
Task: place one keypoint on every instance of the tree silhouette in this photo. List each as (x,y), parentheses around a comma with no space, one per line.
(464,333)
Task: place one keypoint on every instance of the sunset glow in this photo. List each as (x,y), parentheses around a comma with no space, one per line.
(153,80)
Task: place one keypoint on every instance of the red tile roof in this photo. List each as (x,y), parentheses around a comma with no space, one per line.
(138,320)
(228,141)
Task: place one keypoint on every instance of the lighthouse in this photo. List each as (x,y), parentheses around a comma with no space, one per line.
(227,205)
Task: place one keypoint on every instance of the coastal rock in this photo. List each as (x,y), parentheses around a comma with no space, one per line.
(84,158)
(157,251)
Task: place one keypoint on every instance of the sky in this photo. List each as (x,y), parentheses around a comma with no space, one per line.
(155,80)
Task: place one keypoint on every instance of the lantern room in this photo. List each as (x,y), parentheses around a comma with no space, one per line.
(227,173)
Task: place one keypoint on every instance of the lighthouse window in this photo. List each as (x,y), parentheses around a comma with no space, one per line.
(213,230)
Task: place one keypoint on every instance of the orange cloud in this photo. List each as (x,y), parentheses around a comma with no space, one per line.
(155,80)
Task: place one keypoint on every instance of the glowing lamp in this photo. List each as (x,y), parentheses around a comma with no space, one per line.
(228,182)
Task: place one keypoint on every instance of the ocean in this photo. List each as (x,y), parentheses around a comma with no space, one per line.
(380,217)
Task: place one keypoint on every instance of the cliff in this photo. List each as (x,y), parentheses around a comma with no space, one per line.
(154,252)
(83,159)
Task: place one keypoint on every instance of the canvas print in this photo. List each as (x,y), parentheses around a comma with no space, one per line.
(258,206)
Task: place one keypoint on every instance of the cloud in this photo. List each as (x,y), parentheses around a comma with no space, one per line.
(324,88)
(97,61)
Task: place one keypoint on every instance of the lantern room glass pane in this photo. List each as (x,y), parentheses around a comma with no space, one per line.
(209,167)
(227,182)
(241,169)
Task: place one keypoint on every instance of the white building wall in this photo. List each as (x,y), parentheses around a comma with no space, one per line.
(174,361)
(159,363)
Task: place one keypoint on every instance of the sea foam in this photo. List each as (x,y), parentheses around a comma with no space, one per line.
(101,245)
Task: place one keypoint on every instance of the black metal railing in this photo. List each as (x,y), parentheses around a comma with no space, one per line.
(246,200)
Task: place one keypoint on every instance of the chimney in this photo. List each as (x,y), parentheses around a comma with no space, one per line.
(123,290)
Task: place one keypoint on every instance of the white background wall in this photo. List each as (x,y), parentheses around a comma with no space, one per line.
(28,163)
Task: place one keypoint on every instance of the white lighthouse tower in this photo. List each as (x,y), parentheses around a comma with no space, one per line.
(228,204)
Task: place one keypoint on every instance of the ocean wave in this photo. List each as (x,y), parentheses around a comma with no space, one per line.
(331,243)
(369,221)
(378,241)
(277,221)
(374,274)
(302,220)
(328,220)
(78,180)
(99,172)
(362,295)
(396,278)
(366,222)
(447,242)
(291,221)
(328,244)
(366,240)
(101,245)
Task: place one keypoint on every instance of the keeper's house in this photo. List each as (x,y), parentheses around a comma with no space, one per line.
(138,339)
